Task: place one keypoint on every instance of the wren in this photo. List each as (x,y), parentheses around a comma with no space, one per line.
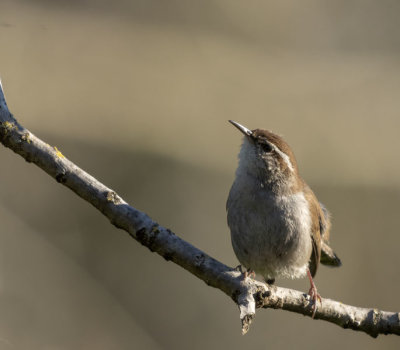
(278,227)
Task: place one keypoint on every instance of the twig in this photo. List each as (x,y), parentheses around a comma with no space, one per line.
(247,293)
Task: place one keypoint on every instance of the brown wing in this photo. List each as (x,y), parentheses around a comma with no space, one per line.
(328,256)
(315,212)
(324,223)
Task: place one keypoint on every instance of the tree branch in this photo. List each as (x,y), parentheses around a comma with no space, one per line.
(248,294)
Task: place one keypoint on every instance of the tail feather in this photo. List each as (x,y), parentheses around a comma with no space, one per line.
(328,256)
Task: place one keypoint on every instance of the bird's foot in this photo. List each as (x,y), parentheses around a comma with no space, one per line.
(313,293)
(249,273)
(314,296)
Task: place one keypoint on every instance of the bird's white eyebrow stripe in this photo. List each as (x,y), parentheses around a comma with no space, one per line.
(284,156)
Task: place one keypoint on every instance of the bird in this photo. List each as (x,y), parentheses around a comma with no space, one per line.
(278,227)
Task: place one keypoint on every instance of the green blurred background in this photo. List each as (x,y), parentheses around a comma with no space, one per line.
(138,93)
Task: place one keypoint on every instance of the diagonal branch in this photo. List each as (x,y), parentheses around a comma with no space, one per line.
(248,294)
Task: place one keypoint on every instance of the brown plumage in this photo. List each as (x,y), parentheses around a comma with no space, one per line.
(278,227)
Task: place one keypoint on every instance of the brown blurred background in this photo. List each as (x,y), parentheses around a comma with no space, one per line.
(138,93)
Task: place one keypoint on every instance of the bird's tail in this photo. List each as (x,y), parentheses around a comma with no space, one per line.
(328,256)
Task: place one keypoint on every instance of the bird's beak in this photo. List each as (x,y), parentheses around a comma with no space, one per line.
(242,128)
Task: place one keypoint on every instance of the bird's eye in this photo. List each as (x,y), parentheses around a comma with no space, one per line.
(266,147)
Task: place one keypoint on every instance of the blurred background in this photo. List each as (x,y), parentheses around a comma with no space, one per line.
(138,93)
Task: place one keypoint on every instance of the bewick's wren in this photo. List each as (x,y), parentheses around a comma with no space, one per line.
(278,227)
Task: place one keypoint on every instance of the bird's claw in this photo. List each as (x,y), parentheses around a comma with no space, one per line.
(249,273)
(314,296)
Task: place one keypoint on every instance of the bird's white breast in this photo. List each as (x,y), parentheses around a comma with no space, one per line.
(271,234)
